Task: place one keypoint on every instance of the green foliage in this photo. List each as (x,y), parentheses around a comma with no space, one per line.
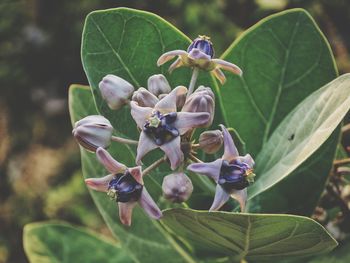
(254,237)
(58,242)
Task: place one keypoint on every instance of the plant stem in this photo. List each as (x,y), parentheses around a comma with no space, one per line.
(194,158)
(154,165)
(194,77)
(123,140)
(341,162)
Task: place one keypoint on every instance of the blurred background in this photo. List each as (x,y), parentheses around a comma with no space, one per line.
(40,57)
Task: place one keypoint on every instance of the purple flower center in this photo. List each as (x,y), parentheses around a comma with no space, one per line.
(233,175)
(203,44)
(160,127)
(124,188)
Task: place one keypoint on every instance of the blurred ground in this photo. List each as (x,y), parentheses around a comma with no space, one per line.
(40,56)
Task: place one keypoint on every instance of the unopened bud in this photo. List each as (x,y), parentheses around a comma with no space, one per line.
(202,100)
(115,91)
(180,99)
(177,187)
(144,98)
(211,141)
(158,84)
(92,132)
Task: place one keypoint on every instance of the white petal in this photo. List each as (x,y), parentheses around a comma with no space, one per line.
(146,144)
(140,114)
(170,55)
(172,150)
(168,103)
(150,207)
(125,212)
(211,169)
(109,162)
(228,66)
(221,197)
(188,120)
(230,150)
(99,184)
(241,197)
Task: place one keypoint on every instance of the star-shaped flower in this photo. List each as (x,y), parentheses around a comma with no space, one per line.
(200,54)
(162,126)
(125,186)
(232,173)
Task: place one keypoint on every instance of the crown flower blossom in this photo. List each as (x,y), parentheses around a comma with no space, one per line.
(161,126)
(125,186)
(200,55)
(232,173)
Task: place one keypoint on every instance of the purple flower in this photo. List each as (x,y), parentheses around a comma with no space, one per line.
(125,186)
(161,126)
(200,54)
(232,173)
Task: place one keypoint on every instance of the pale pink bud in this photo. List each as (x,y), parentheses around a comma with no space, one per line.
(92,132)
(158,84)
(177,187)
(211,141)
(115,91)
(144,98)
(202,100)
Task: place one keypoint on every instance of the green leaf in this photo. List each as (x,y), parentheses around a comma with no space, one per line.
(284,58)
(311,123)
(59,242)
(128,43)
(340,255)
(145,240)
(252,237)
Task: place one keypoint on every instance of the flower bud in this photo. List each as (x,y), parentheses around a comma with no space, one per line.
(211,141)
(177,187)
(203,44)
(180,99)
(115,91)
(202,100)
(144,98)
(158,84)
(92,132)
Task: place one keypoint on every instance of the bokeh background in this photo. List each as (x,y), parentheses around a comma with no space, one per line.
(40,175)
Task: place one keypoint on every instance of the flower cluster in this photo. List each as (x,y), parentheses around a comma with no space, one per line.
(167,119)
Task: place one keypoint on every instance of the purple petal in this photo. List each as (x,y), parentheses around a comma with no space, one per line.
(99,184)
(109,162)
(221,197)
(125,212)
(219,75)
(195,54)
(188,120)
(136,172)
(146,144)
(247,159)
(230,150)
(140,114)
(168,103)
(173,151)
(170,55)
(178,63)
(241,197)
(211,169)
(228,66)
(150,207)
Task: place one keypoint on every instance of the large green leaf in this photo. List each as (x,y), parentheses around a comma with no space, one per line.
(309,125)
(284,58)
(145,240)
(58,242)
(127,43)
(340,255)
(254,237)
